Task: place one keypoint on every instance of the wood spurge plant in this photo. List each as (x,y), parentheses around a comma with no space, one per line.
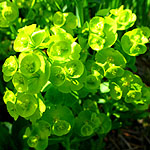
(73,81)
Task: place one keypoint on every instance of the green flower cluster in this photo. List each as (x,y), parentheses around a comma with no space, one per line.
(63,73)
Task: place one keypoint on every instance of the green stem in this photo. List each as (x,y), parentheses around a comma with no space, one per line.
(74,94)
(18,24)
(68,143)
(56,139)
(57,5)
(50,60)
(77,140)
(13,30)
(79,12)
(30,10)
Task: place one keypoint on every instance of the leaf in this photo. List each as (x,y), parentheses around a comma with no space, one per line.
(102,12)
(104,87)
(111,56)
(115,91)
(58,112)
(105,124)
(38,37)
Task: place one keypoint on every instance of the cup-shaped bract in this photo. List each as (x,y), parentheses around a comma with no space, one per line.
(59,19)
(23,41)
(123,17)
(58,112)
(114,71)
(38,37)
(61,127)
(75,84)
(96,42)
(110,32)
(105,124)
(9,96)
(98,69)
(26,104)
(142,103)
(20,82)
(96,25)
(102,33)
(39,111)
(58,75)
(37,135)
(40,130)
(82,123)
(86,130)
(29,64)
(43,129)
(60,45)
(71,20)
(34,71)
(92,82)
(115,91)
(133,95)
(11,108)
(33,141)
(90,105)
(95,121)
(125,20)
(128,81)
(146,31)
(37,143)
(133,42)
(137,49)
(23,3)
(8,13)
(111,57)
(75,51)
(74,68)
(9,99)
(7,78)
(125,82)
(60,50)
(10,66)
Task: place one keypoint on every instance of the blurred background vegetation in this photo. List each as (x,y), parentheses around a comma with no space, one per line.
(140,7)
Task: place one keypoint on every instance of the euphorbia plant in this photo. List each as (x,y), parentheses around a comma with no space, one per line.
(61,74)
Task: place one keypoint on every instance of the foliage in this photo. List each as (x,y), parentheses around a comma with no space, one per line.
(70,79)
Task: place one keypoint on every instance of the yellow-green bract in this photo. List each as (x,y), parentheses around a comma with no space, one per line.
(8,13)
